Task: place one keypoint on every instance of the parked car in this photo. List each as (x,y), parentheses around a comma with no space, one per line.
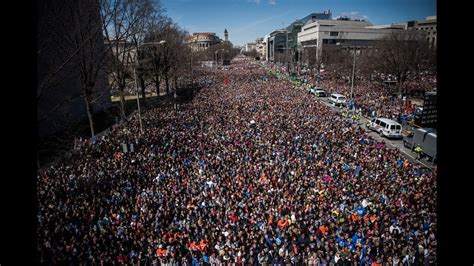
(337,99)
(320,93)
(386,127)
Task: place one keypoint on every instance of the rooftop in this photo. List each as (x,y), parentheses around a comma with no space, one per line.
(204,33)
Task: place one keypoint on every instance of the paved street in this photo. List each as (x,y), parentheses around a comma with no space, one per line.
(393,143)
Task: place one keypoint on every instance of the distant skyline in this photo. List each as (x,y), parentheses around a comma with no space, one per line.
(247,20)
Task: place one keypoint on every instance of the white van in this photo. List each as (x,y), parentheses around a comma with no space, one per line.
(386,127)
(337,99)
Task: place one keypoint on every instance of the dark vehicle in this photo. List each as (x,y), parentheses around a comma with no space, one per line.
(426,139)
(320,93)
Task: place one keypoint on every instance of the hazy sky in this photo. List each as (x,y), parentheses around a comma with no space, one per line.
(247,20)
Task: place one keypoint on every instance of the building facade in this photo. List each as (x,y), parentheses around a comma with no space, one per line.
(250,46)
(294,28)
(429,27)
(276,44)
(321,34)
(201,41)
(59,92)
(285,41)
(260,47)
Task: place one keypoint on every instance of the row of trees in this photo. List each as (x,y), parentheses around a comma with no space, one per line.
(399,54)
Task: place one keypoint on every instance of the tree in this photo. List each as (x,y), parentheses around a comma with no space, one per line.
(337,60)
(177,52)
(77,37)
(153,67)
(400,53)
(252,53)
(61,45)
(126,30)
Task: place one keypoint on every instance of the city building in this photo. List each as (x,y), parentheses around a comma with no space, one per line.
(322,34)
(294,28)
(125,50)
(429,26)
(201,41)
(260,45)
(287,38)
(60,104)
(276,45)
(250,46)
(265,48)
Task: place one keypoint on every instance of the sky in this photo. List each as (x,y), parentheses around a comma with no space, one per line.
(247,20)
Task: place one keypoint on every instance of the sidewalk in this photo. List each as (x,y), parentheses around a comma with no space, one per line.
(134,97)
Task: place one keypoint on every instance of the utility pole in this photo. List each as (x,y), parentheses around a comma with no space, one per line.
(136,81)
(353,72)
(138,95)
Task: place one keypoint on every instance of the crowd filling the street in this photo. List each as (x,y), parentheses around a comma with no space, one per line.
(252,171)
(373,96)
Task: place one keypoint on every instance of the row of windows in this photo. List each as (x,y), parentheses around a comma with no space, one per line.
(430,32)
(426,28)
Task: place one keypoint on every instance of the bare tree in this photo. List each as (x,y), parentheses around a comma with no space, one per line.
(78,41)
(152,57)
(128,22)
(252,53)
(400,53)
(58,28)
(174,38)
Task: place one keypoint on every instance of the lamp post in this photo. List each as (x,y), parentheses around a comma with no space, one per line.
(315,55)
(191,68)
(353,48)
(353,73)
(136,82)
(217,56)
(225,56)
(221,56)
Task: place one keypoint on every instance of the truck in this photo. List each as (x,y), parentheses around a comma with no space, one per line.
(426,139)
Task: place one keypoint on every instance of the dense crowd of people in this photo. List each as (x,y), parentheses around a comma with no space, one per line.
(375,95)
(251,172)
(131,88)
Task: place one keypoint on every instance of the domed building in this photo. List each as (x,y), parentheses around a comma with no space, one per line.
(201,41)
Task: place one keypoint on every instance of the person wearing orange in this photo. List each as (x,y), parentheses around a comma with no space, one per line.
(161,252)
(202,245)
(192,246)
(354,217)
(282,223)
(323,229)
(270,219)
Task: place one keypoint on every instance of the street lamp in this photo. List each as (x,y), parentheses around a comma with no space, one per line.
(315,54)
(353,71)
(191,66)
(225,56)
(217,58)
(136,82)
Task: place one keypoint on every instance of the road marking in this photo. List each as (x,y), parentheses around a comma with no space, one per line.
(418,161)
